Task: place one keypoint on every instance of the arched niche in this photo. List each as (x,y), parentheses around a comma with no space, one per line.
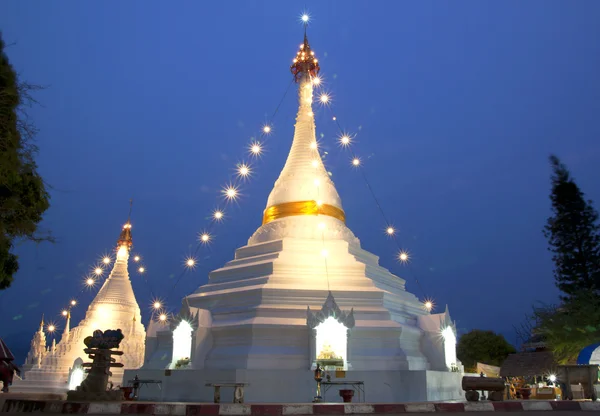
(182,344)
(329,335)
(449,337)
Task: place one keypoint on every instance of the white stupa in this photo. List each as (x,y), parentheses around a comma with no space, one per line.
(302,292)
(114,307)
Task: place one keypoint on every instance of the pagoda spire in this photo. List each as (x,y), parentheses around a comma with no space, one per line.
(117,287)
(304,186)
(67,331)
(42,324)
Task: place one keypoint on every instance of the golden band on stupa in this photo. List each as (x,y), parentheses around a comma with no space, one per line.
(289,209)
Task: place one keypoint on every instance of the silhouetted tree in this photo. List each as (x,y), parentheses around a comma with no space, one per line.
(573,236)
(23,195)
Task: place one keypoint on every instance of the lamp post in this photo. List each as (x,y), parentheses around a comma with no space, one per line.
(318,379)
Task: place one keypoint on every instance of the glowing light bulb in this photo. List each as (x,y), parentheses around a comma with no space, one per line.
(267,129)
(230,192)
(65,313)
(319,202)
(98,271)
(73,302)
(310,114)
(316,80)
(51,328)
(204,238)
(345,140)
(390,231)
(403,257)
(142,269)
(136,258)
(156,305)
(255,148)
(324,253)
(317,182)
(305,18)
(162,317)
(243,170)
(218,215)
(428,305)
(552,378)
(315,163)
(106,260)
(334,118)
(324,98)
(190,262)
(314,145)
(356,162)
(90,282)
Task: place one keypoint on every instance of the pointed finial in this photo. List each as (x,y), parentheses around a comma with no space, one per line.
(125,236)
(42,323)
(305,61)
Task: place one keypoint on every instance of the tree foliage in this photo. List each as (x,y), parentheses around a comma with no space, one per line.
(568,328)
(23,195)
(573,235)
(484,347)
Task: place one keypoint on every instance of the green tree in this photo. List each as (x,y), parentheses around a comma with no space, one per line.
(573,236)
(569,327)
(23,195)
(485,347)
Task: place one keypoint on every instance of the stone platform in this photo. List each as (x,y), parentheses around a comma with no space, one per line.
(189,409)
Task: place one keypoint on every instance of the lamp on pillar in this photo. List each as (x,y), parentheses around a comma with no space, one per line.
(318,379)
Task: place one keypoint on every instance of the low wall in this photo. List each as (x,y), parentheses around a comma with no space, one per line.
(62,407)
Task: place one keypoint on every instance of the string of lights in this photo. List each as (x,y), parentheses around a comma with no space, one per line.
(345,140)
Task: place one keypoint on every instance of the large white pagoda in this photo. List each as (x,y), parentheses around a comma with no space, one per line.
(302,292)
(55,368)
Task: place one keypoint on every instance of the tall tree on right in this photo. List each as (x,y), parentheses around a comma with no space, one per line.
(573,236)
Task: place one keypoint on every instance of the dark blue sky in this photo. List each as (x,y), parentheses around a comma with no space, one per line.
(456,107)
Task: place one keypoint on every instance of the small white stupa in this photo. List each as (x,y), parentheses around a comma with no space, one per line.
(303,292)
(114,307)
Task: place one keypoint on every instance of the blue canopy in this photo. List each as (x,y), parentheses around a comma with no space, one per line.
(586,354)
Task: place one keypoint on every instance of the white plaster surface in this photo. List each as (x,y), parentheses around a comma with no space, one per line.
(536,405)
(114,307)
(251,316)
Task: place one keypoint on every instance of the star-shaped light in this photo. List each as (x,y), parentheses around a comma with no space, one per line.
(356,162)
(90,282)
(428,305)
(345,140)
(106,260)
(255,148)
(390,230)
(190,263)
(73,302)
(230,192)
(204,238)
(162,317)
(142,269)
(218,215)
(267,129)
(65,312)
(243,170)
(403,257)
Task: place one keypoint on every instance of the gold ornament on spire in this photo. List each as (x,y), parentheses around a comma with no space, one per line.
(125,236)
(305,61)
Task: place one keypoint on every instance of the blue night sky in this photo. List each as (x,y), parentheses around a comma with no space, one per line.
(455,106)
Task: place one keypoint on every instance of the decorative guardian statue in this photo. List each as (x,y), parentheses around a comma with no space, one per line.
(99,349)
